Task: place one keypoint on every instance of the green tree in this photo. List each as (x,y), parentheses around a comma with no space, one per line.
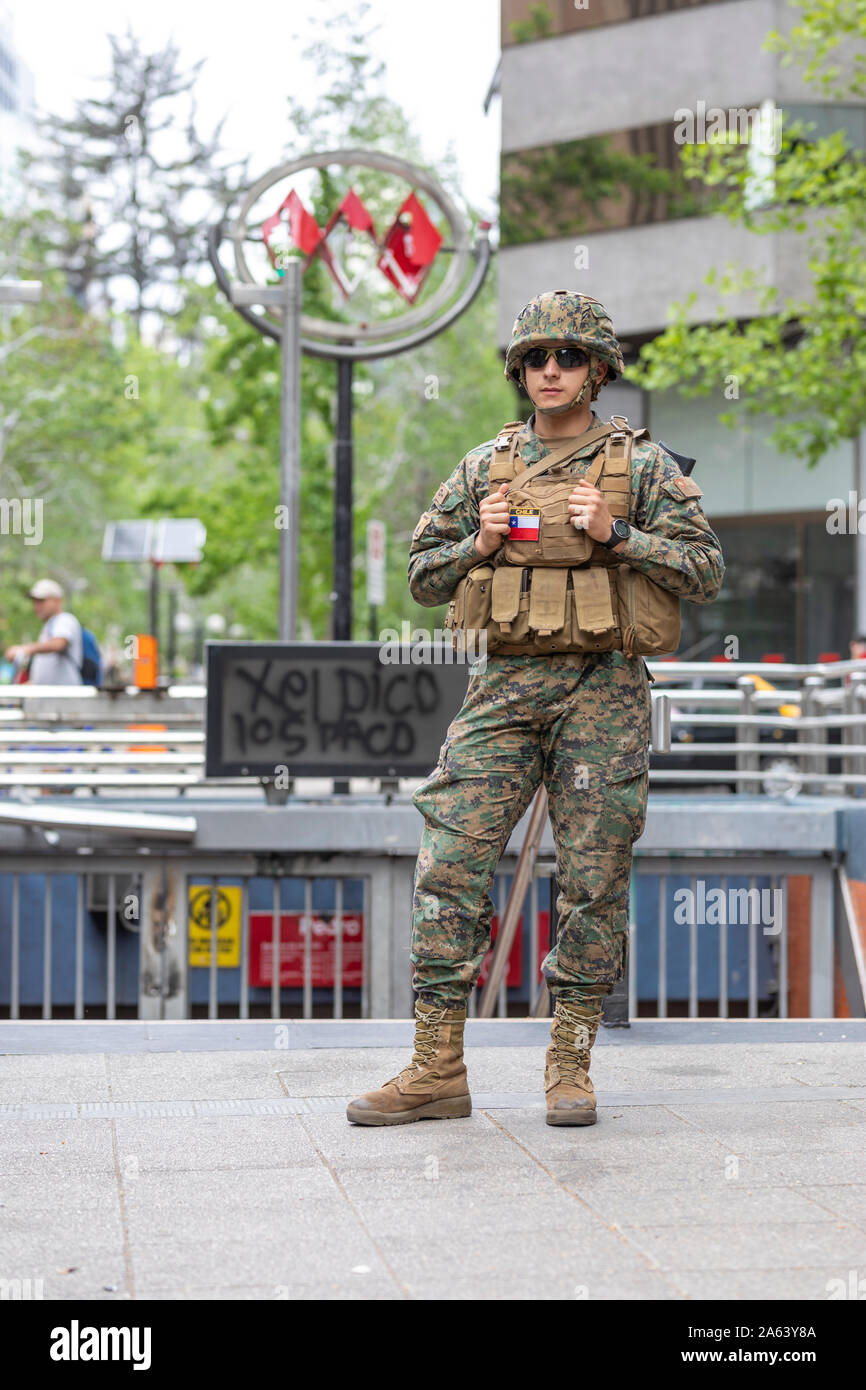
(408,436)
(123,176)
(800,360)
(71,440)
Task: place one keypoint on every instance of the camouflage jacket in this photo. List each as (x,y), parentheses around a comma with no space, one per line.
(671,540)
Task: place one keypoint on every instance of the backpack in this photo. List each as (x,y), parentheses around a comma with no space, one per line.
(91,658)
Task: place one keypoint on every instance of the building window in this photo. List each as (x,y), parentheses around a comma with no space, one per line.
(788,590)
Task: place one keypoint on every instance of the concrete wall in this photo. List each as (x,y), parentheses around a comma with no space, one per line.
(739,470)
(634,74)
(638,272)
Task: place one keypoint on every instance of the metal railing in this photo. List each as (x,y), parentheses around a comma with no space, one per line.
(122,939)
(78,739)
(68,865)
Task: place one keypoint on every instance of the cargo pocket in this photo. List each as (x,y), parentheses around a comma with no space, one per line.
(621,786)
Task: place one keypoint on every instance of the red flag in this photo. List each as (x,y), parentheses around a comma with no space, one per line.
(355,214)
(303,228)
(410,249)
(359,220)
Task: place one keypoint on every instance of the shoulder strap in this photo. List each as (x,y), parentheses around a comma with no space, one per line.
(614,466)
(504,469)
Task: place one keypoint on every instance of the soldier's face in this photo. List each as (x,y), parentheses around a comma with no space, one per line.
(552,384)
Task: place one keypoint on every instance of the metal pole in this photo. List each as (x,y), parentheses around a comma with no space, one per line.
(171,638)
(154,600)
(342,621)
(290,449)
(746,733)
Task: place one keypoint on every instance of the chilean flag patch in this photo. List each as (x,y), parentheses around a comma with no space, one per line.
(524,523)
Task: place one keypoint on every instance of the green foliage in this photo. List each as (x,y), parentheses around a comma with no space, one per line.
(409,432)
(538,26)
(102,425)
(802,360)
(72,438)
(824,26)
(557,190)
(115,188)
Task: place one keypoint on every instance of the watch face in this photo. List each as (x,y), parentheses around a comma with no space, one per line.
(622,529)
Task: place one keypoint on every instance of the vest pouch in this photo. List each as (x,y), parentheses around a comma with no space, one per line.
(477,597)
(650,615)
(559,543)
(594,619)
(548,620)
(469,609)
(509,613)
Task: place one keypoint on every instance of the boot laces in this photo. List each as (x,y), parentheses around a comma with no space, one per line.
(571,1043)
(426,1038)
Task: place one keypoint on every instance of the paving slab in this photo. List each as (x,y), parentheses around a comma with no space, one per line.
(212,1162)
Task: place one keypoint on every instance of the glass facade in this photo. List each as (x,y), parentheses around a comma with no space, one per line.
(788,590)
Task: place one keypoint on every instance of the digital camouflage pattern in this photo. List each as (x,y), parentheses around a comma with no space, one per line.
(559,316)
(671,539)
(579,721)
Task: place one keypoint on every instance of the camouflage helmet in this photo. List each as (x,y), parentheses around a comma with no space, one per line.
(564,316)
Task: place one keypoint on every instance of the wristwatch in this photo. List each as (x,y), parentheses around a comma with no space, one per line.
(621,532)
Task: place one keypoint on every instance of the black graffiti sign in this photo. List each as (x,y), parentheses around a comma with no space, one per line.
(330,709)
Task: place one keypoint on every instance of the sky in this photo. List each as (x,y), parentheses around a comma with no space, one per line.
(440,60)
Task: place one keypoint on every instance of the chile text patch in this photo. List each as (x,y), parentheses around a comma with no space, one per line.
(524,523)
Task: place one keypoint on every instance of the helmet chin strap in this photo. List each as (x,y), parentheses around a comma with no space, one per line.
(574,404)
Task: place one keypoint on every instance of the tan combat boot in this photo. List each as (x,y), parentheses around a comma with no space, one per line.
(568,1089)
(433,1086)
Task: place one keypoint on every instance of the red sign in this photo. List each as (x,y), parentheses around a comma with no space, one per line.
(323,946)
(323,949)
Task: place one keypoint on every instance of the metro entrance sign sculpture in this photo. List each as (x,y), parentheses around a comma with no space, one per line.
(403,258)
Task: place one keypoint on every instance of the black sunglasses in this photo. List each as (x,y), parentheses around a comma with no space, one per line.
(566,357)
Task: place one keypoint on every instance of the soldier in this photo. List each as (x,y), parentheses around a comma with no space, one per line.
(572,584)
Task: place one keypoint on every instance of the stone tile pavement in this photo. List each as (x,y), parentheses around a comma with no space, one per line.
(214,1160)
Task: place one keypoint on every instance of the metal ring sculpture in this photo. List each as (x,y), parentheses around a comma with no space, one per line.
(326,338)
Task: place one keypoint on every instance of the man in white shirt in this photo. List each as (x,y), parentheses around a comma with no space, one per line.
(56,658)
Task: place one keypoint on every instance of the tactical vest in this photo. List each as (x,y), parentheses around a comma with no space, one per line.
(563,592)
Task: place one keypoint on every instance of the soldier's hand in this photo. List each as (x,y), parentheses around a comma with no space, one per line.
(589,511)
(493,512)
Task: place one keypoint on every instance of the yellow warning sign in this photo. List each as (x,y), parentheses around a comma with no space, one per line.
(228,925)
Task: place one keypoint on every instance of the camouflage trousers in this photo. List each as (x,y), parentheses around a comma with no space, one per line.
(580,722)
